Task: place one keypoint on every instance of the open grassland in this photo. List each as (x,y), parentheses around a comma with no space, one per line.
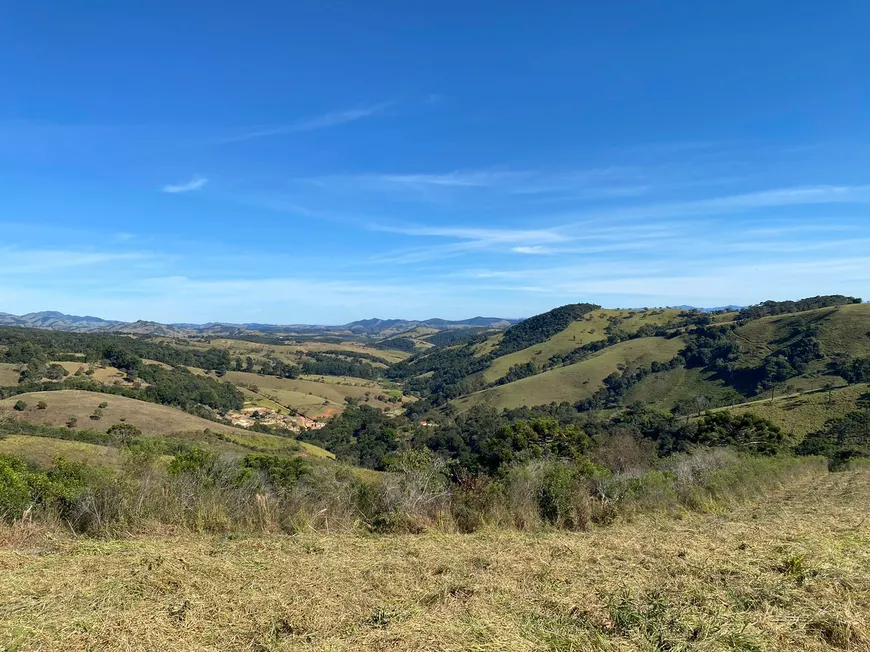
(105,375)
(350,381)
(150,418)
(842,329)
(801,414)
(289,352)
(312,398)
(9,374)
(665,389)
(589,328)
(786,572)
(576,381)
(761,337)
(847,331)
(43,450)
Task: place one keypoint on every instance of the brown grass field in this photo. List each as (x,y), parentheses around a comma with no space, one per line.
(150,418)
(309,396)
(8,374)
(786,572)
(241,348)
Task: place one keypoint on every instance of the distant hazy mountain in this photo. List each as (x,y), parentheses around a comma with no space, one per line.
(390,326)
(53,320)
(732,307)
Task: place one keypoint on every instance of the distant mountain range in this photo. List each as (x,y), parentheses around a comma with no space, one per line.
(53,320)
(719,309)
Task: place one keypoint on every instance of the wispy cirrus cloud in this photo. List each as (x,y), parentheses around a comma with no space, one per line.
(478,234)
(42,261)
(196,183)
(608,182)
(323,121)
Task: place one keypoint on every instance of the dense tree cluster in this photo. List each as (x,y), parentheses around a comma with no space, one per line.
(841,440)
(459,335)
(326,364)
(714,347)
(124,352)
(405,344)
(540,328)
(768,308)
(360,435)
(854,370)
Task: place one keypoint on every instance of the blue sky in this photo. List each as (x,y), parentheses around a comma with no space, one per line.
(319,162)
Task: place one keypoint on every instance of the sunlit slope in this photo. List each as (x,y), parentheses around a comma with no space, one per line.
(576,381)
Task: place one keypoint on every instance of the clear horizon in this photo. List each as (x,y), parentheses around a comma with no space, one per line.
(325,163)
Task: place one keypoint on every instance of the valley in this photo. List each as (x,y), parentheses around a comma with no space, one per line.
(587,478)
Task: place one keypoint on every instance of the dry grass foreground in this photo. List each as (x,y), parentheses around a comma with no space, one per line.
(788,572)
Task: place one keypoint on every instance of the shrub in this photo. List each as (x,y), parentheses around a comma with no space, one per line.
(72,421)
(97,415)
(103,405)
(14,492)
(20,406)
(41,405)
(124,434)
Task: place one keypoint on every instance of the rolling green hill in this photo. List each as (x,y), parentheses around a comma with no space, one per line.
(803,413)
(576,381)
(724,358)
(591,327)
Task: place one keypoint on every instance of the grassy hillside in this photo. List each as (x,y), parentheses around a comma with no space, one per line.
(288,352)
(8,374)
(310,397)
(150,418)
(43,450)
(666,389)
(800,414)
(783,573)
(589,328)
(576,381)
(847,330)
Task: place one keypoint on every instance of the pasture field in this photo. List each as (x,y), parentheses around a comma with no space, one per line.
(665,389)
(9,374)
(312,398)
(152,419)
(801,414)
(784,573)
(289,352)
(842,329)
(104,375)
(847,331)
(43,450)
(576,381)
(589,328)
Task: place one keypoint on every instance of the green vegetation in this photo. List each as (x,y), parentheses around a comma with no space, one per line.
(577,381)
(768,308)
(540,328)
(580,419)
(842,440)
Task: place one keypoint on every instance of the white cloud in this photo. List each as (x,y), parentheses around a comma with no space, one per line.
(525,236)
(195,183)
(38,261)
(537,249)
(323,121)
